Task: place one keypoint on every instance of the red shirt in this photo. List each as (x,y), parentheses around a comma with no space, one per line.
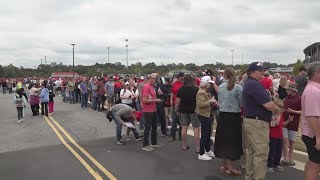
(149,92)
(117,85)
(266,83)
(175,87)
(277,132)
(293,102)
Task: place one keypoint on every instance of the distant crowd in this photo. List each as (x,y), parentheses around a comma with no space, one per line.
(258,115)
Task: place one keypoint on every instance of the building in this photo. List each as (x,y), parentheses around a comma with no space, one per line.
(281,70)
(64,74)
(312,53)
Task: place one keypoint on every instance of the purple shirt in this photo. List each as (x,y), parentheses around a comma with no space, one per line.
(84,87)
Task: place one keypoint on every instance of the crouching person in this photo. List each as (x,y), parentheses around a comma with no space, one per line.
(124,115)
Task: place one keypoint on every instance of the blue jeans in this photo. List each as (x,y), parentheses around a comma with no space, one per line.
(275,152)
(94,102)
(119,128)
(161,118)
(71,97)
(205,134)
(84,102)
(175,122)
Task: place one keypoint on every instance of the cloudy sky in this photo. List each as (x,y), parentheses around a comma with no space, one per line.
(163,31)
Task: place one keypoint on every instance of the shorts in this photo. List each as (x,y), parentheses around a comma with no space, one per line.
(110,99)
(313,153)
(289,134)
(187,119)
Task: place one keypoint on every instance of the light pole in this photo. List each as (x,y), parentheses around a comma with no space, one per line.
(108,54)
(232,56)
(45,60)
(73,59)
(127,50)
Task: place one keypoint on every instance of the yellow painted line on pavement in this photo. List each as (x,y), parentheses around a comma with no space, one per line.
(94,161)
(83,162)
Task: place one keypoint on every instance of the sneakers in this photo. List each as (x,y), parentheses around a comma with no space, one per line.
(158,145)
(19,121)
(121,142)
(204,157)
(128,138)
(270,170)
(279,168)
(140,138)
(148,148)
(210,154)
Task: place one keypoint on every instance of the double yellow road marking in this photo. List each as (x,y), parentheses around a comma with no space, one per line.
(77,155)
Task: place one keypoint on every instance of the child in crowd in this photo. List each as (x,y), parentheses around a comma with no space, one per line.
(20,102)
(51,102)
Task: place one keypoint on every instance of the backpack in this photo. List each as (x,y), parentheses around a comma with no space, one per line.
(19,102)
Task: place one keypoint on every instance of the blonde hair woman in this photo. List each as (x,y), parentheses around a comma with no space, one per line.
(275,82)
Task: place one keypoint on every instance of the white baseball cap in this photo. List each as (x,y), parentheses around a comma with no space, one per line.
(206,79)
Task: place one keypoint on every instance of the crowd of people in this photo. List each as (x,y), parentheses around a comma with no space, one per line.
(258,115)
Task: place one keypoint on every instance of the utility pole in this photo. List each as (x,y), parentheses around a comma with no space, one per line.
(127,51)
(73,59)
(45,60)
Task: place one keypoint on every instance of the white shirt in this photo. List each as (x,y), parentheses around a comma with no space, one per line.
(275,84)
(124,95)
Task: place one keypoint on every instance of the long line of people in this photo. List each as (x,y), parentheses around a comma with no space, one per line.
(257,116)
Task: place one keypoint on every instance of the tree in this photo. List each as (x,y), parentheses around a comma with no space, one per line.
(297,66)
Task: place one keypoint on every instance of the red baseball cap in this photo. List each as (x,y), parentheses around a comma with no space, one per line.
(138,115)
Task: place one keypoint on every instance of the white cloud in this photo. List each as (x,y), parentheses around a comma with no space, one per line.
(168,31)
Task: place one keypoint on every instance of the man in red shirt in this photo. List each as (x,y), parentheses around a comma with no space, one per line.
(149,111)
(267,82)
(175,119)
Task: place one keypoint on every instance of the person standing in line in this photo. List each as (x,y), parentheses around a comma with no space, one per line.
(301,80)
(292,104)
(160,108)
(149,109)
(100,93)
(310,103)
(34,92)
(4,86)
(228,138)
(94,95)
(175,119)
(44,96)
(167,87)
(70,88)
(258,108)
(51,102)
(276,82)
(20,102)
(9,85)
(267,82)
(282,92)
(185,108)
(204,105)
(127,95)
(109,89)
(84,93)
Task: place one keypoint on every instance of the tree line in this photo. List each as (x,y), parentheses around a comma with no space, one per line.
(45,70)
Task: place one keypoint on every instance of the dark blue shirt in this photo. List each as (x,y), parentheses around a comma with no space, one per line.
(254,96)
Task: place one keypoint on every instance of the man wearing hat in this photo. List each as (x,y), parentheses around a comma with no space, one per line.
(122,113)
(258,108)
